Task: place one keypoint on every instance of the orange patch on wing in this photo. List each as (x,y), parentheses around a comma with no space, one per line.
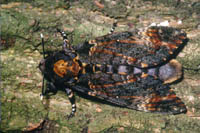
(159,98)
(171,46)
(122,73)
(170,52)
(151,109)
(144,65)
(130,59)
(152,35)
(144,75)
(106,43)
(182,105)
(178,41)
(111,85)
(134,97)
(150,105)
(127,41)
(182,37)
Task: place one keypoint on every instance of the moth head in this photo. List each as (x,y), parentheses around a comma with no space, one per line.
(60,66)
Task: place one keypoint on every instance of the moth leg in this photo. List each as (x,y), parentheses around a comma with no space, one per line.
(72,101)
(50,88)
(113,28)
(66,44)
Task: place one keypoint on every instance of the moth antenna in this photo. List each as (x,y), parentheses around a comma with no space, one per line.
(43,50)
(42,37)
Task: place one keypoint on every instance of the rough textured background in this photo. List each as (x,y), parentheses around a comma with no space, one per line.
(22,21)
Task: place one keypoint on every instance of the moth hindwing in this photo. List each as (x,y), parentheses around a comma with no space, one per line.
(131,69)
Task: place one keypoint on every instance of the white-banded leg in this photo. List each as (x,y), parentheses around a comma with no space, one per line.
(49,87)
(113,28)
(66,44)
(72,101)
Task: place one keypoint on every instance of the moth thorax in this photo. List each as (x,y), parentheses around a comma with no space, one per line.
(62,68)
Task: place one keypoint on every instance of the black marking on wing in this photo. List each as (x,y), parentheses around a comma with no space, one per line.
(148,48)
(144,94)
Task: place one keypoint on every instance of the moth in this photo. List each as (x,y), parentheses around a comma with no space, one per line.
(132,69)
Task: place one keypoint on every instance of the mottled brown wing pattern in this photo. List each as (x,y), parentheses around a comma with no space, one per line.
(145,48)
(169,103)
(114,79)
(133,91)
